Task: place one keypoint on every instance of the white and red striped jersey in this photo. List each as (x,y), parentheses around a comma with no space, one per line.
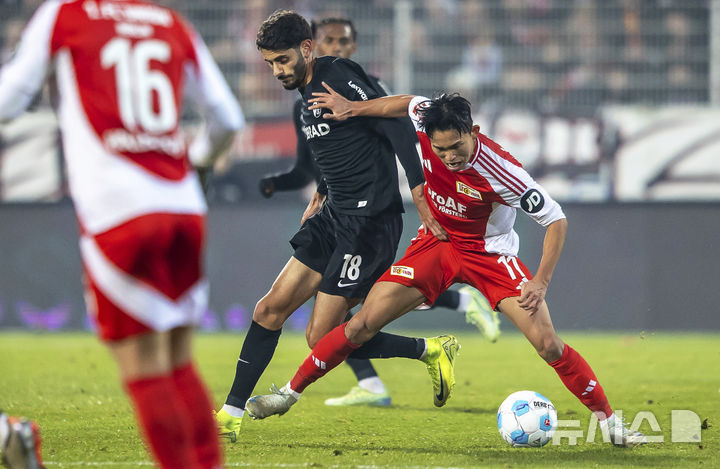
(477,205)
(123,69)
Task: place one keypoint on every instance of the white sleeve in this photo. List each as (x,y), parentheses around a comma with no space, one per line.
(22,77)
(207,89)
(517,188)
(415,104)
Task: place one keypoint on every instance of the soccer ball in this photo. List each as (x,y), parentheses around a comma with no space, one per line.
(526,418)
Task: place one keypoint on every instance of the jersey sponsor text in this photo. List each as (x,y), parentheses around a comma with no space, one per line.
(120,140)
(130,13)
(359,90)
(319,130)
(446,204)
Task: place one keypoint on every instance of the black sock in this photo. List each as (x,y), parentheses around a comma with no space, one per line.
(256,353)
(448,299)
(385,345)
(362,367)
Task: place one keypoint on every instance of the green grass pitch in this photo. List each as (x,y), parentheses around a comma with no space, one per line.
(68,383)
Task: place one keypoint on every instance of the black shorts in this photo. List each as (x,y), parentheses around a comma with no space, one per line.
(351,252)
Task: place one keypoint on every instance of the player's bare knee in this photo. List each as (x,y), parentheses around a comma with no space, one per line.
(359,330)
(551,348)
(311,336)
(267,315)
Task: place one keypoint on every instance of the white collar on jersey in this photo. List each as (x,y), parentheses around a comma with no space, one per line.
(475,156)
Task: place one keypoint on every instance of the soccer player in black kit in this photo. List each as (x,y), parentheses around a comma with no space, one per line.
(337,37)
(352,225)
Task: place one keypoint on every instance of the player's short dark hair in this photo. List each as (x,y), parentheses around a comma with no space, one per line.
(446,112)
(284,29)
(315,25)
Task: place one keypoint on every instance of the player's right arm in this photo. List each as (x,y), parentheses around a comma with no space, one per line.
(302,173)
(22,77)
(341,108)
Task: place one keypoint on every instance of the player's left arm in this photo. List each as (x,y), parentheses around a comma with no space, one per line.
(539,205)
(207,89)
(533,292)
(22,77)
(519,190)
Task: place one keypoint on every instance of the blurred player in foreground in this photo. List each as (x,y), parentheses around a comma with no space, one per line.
(351,227)
(19,443)
(123,68)
(476,188)
(337,37)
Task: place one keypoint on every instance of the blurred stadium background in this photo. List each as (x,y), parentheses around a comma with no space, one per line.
(611,104)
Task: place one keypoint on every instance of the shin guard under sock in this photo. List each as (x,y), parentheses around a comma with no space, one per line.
(328,353)
(199,408)
(579,378)
(256,353)
(166,426)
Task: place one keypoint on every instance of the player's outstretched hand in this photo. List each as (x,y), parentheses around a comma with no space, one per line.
(532,294)
(339,107)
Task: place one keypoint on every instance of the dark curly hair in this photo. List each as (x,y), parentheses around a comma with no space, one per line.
(446,112)
(284,29)
(315,25)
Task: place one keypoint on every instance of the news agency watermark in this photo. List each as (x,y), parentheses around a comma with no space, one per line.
(685,427)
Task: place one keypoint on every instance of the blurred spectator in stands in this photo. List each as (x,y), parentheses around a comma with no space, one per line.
(572,66)
(530,21)
(683,86)
(617,86)
(380,62)
(634,44)
(677,25)
(435,37)
(478,75)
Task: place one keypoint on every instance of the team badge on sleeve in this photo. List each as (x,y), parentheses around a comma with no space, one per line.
(402,271)
(532,201)
(420,106)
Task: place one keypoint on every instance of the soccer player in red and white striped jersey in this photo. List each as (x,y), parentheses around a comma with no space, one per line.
(123,69)
(474,188)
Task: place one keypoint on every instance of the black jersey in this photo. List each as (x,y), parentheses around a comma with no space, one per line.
(356,157)
(305,171)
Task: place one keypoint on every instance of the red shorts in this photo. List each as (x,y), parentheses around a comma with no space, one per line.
(146,275)
(432,266)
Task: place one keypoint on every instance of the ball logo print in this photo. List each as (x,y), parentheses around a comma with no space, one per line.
(526,419)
